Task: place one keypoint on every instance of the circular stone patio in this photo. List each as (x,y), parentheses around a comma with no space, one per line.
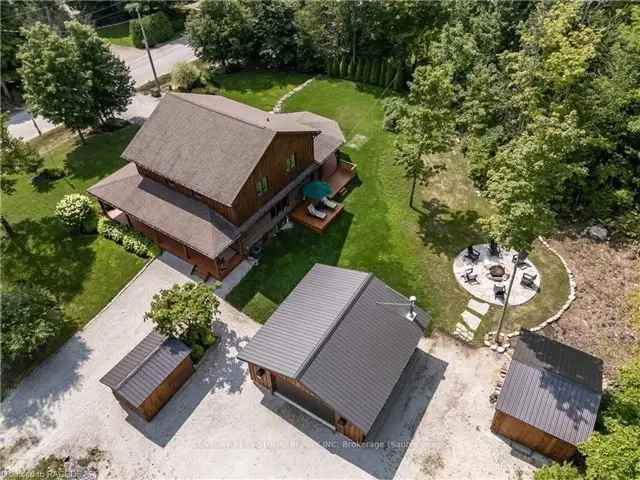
(483,287)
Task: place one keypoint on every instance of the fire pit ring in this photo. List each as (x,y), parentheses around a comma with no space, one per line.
(497,272)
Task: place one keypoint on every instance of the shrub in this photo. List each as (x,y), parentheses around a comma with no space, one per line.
(184,311)
(394,109)
(75,211)
(399,80)
(556,471)
(351,70)
(131,240)
(157,27)
(343,68)
(53,173)
(382,77)
(30,317)
(374,72)
(366,70)
(197,352)
(359,68)
(390,73)
(185,76)
(614,455)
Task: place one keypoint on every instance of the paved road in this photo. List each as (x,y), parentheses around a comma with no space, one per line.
(164,57)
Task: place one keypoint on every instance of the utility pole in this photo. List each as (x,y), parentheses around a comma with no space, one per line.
(146,46)
(516,261)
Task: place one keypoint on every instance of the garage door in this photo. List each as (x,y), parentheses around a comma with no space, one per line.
(289,388)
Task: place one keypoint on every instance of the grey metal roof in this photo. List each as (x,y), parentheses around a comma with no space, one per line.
(360,363)
(143,369)
(304,319)
(173,213)
(335,336)
(208,143)
(553,387)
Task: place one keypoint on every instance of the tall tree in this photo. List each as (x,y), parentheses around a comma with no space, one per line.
(218,31)
(428,127)
(16,157)
(74,79)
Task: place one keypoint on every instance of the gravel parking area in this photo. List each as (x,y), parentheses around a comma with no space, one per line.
(220,425)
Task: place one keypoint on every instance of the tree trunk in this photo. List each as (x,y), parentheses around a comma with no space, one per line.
(81,136)
(6,91)
(413,190)
(7,227)
(33,119)
(506,299)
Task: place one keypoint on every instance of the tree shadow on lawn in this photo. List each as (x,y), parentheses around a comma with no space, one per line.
(219,372)
(391,434)
(448,231)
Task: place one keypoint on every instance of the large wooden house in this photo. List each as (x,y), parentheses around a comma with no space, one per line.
(208,178)
(336,347)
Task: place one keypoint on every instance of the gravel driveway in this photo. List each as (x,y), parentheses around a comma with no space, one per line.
(220,425)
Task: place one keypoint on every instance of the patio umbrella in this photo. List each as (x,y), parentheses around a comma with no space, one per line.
(316,190)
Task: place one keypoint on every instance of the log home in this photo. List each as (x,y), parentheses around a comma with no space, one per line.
(209,178)
(336,347)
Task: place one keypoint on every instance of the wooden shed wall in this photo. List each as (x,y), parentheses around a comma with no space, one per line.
(531,437)
(161,395)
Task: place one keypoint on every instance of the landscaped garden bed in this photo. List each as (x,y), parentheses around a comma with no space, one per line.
(410,249)
(83,271)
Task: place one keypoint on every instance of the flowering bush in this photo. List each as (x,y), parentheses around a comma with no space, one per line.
(132,241)
(186,76)
(75,211)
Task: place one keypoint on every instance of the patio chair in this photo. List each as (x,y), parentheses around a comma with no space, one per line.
(494,249)
(314,212)
(472,254)
(528,280)
(469,276)
(329,203)
(499,291)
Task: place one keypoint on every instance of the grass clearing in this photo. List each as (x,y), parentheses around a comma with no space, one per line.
(116,34)
(84,271)
(410,249)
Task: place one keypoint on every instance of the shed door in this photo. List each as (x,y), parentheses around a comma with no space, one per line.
(290,389)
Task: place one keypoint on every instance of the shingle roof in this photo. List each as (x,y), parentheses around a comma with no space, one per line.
(553,387)
(145,367)
(334,334)
(208,143)
(183,218)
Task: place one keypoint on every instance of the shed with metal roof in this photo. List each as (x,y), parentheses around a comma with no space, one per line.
(550,398)
(150,374)
(336,347)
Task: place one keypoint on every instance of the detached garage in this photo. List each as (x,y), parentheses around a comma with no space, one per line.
(550,398)
(336,347)
(150,374)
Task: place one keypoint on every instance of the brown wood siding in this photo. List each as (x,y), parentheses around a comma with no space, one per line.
(264,380)
(161,395)
(273,165)
(531,437)
(348,429)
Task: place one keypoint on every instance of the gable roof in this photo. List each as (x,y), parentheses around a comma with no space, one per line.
(330,138)
(334,336)
(553,387)
(172,213)
(208,143)
(145,367)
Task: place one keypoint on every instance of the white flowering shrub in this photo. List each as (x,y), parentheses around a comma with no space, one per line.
(131,240)
(75,211)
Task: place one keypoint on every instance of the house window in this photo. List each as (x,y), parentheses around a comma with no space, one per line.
(262,186)
(171,184)
(291,162)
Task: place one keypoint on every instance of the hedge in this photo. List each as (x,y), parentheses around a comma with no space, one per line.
(157,26)
(131,240)
(384,73)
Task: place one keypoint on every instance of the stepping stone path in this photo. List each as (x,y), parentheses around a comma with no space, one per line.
(466,331)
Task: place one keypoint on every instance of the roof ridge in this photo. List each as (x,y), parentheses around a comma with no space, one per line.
(182,98)
(144,361)
(334,325)
(115,181)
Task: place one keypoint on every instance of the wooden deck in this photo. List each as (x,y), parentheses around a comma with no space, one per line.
(301,216)
(339,179)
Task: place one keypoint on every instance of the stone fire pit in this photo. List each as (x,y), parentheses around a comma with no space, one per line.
(492,271)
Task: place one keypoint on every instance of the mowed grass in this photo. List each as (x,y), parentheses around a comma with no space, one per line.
(116,34)
(410,249)
(261,89)
(84,271)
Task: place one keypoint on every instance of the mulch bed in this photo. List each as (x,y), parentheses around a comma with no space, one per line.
(599,321)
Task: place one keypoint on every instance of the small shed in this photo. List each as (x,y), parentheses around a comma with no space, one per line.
(150,374)
(550,398)
(336,347)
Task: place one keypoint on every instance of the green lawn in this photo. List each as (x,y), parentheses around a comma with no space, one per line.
(411,250)
(116,34)
(261,89)
(83,271)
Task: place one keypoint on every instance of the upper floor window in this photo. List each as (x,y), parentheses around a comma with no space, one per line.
(262,186)
(291,162)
